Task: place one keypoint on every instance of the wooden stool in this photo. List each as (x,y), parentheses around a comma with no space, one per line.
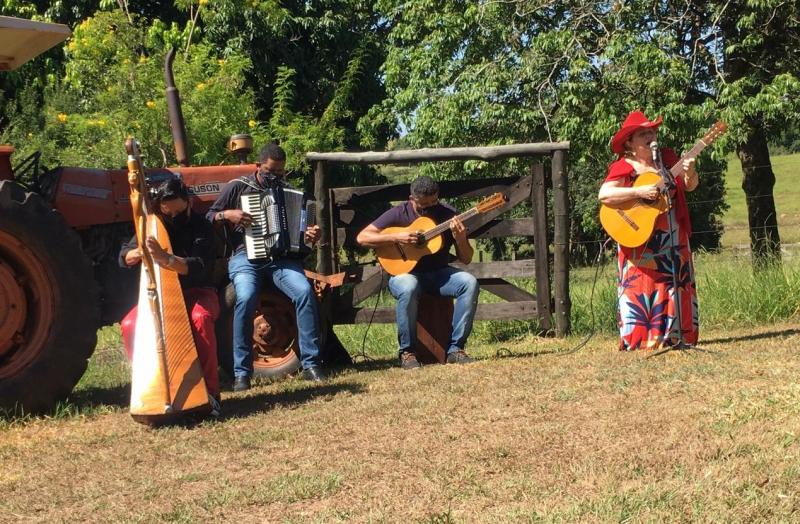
(434,327)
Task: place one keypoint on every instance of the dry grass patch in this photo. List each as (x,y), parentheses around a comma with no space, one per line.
(593,436)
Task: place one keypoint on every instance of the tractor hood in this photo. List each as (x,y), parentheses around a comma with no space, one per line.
(21,40)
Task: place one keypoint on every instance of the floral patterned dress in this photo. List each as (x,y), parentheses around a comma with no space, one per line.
(646,305)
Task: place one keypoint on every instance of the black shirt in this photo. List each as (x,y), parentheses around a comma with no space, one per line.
(403,215)
(194,243)
(230,198)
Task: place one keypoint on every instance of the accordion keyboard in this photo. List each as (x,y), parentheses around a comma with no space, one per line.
(255,234)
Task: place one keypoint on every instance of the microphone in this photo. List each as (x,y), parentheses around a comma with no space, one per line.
(654,150)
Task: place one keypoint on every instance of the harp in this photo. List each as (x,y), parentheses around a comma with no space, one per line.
(166,377)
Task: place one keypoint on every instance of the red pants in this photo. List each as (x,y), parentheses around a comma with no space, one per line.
(203,306)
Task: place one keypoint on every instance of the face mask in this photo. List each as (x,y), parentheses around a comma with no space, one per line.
(181,220)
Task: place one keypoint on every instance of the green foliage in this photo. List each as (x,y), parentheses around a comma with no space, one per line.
(503,72)
(113,88)
(298,73)
(334,48)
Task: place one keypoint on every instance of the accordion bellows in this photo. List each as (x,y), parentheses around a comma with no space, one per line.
(280,217)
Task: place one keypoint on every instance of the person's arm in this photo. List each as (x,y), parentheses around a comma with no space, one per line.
(371,236)
(174,263)
(464,250)
(615,192)
(312,235)
(689,175)
(129,253)
(227,207)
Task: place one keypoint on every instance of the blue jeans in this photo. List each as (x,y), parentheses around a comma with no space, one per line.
(447,282)
(287,275)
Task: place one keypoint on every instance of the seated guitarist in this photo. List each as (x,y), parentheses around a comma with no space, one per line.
(431,274)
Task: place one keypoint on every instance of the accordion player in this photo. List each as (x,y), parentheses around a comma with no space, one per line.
(280,217)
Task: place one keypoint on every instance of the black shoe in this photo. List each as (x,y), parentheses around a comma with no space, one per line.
(313,374)
(241,383)
(458,357)
(216,406)
(408,360)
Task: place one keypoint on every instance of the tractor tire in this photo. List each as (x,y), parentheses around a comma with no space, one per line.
(49,312)
(276,353)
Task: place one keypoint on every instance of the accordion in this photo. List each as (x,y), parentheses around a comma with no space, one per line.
(280,216)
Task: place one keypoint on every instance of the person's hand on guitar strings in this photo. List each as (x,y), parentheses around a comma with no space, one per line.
(407,237)
(459,230)
(650,192)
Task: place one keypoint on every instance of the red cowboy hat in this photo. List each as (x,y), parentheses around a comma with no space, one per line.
(633,122)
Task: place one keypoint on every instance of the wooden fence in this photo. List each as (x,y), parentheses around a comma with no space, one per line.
(340,216)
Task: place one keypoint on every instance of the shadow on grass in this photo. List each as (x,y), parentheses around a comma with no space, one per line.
(262,402)
(116,396)
(755,336)
(368,364)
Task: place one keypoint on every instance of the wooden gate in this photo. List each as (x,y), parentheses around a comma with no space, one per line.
(340,219)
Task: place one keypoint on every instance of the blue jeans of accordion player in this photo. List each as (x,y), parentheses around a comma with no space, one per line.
(287,275)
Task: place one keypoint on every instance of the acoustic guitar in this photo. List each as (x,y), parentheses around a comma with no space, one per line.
(631,223)
(397,259)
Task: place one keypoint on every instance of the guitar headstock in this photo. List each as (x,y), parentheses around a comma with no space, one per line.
(491,202)
(716,131)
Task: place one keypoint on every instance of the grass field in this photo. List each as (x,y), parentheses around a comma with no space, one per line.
(787,201)
(527,435)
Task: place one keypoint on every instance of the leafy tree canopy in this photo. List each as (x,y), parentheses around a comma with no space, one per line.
(520,71)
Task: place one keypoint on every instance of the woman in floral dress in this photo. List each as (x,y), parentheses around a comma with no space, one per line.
(646,305)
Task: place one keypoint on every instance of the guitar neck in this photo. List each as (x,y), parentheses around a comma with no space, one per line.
(444,226)
(677,169)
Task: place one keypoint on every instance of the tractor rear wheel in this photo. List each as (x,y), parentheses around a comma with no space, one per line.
(275,347)
(49,312)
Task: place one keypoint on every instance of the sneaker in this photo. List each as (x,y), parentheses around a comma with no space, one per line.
(241,383)
(408,360)
(458,357)
(313,374)
(216,406)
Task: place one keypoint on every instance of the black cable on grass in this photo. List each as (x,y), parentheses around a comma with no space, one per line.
(591,303)
(363,354)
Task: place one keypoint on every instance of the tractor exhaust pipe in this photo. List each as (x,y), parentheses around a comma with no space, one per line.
(175,112)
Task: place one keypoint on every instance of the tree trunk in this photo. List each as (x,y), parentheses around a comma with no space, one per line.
(758,181)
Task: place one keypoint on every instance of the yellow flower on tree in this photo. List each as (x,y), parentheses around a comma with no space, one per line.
(201,86)
(151,104)
(61,117)
(252,124)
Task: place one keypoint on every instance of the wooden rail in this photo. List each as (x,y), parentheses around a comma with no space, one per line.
(341,216)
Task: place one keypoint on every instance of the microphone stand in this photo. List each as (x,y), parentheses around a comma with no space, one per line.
(669,185)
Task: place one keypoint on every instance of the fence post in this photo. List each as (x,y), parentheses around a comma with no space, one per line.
(323,197)
(540,244)
(561,243)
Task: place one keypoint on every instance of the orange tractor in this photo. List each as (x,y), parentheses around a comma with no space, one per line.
(60,232)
